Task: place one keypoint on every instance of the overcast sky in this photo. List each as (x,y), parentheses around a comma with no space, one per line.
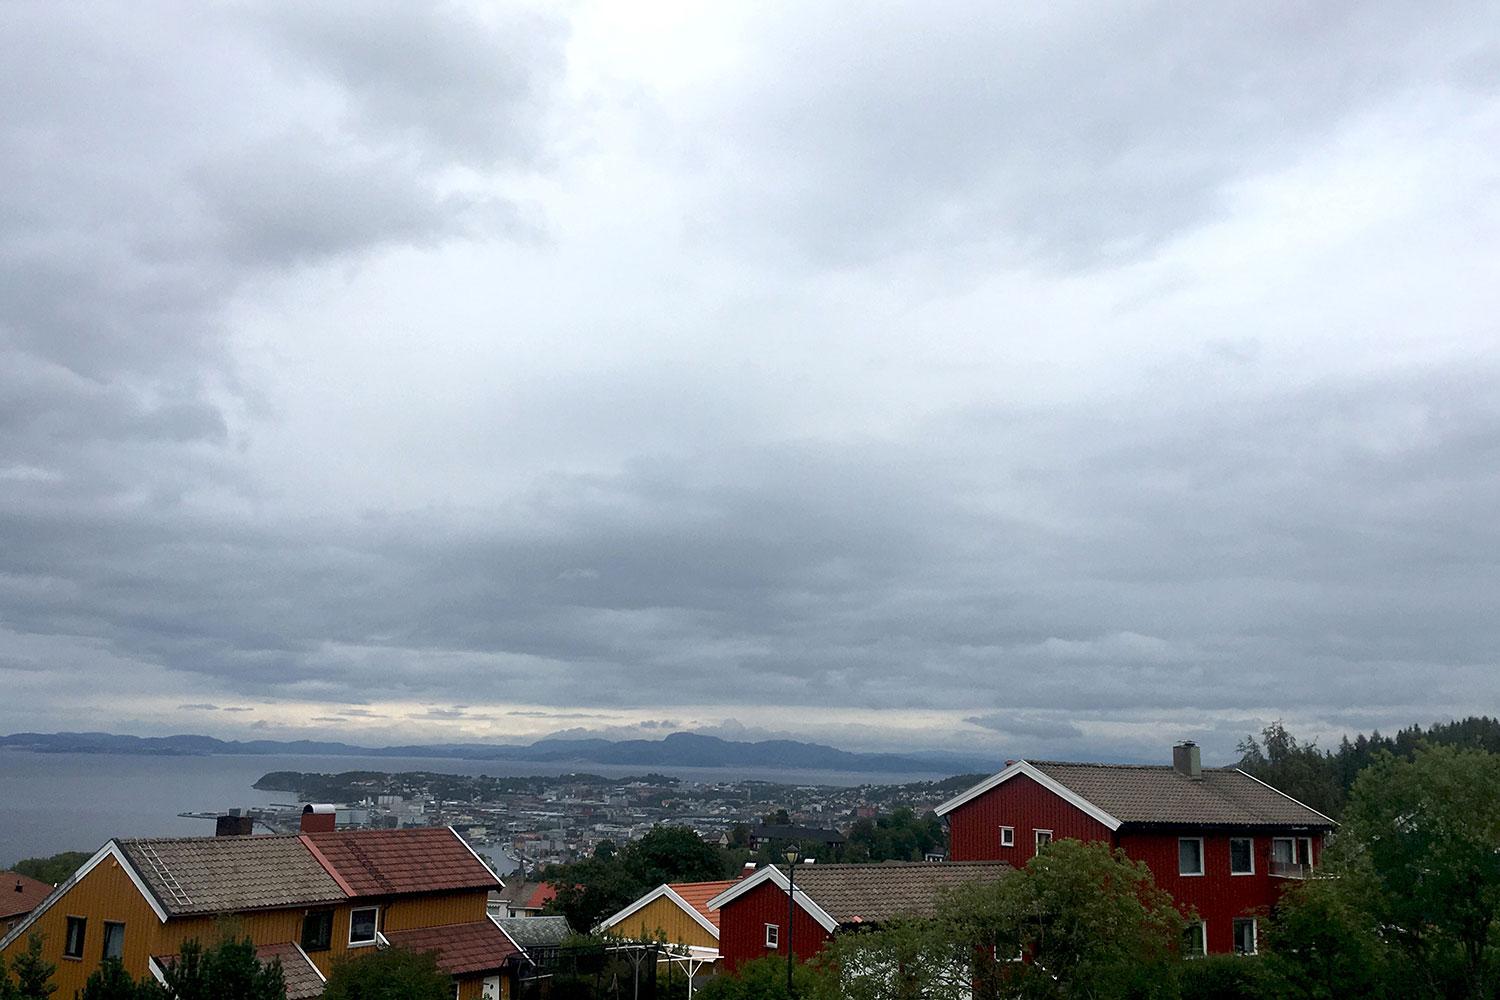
(1054,380)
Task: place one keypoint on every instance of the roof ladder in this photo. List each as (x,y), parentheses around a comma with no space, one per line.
(163,874)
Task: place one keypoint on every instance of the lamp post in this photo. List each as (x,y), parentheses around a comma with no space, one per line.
(791,894)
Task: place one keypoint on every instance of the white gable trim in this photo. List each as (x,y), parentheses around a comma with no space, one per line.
(487,869)
(513,943)
(1022,767)
(661,891)
(160,973)
(109,850)
(1304,805)
(309,961)
(772,874)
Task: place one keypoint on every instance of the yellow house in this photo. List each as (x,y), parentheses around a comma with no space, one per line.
(677,915)
(307,899)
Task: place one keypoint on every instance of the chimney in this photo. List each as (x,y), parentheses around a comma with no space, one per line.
(19,886)
(318,818)
(1187,761)
(748,870)
(234,825)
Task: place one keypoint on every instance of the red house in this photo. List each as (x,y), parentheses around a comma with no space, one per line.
(1221,842)
(753,912)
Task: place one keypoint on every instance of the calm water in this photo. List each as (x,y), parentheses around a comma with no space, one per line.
(51,802)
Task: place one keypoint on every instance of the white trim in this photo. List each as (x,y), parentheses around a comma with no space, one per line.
(1202,858)
(471,850)
(514,944)
(1007,836)
(662,891)
(1232,872)
(309,961)
(154,967)
(1035,774)
(374,938)
(773,930)
(1290,840)
(1304,805)
(1036,838)
(111,849)
(772,874)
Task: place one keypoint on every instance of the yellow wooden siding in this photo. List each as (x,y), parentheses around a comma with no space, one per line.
(435,911)
(664,919)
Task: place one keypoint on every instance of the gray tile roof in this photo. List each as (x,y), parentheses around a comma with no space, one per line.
(536,932)
(220,874)
(873,893)
(1149,793)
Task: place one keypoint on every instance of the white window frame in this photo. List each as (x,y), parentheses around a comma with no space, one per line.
(1202,861)
(82,923)
(118,929)
(773,935)
(1007,836)
(1202,950)
(1037,835)
(1254,935)
(1251,842)
(374,930)
(1302,849)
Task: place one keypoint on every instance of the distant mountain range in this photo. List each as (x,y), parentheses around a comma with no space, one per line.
(678,749)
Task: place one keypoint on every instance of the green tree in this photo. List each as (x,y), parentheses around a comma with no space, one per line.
(671,854)
(33,973)
(111,982)
(592,888)
(1324,942)
(762,979)
(57,868)
(1089,923)
(388,974)
(1300,770)
(1428,830)
(227,969)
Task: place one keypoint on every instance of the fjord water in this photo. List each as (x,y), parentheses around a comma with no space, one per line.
(51,802)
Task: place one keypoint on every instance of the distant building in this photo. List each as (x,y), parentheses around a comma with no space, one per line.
(19,895)
(773,834)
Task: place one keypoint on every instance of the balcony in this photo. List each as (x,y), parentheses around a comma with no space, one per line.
(1288,869)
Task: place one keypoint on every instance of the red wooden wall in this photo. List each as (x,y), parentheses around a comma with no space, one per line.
(742,928)
(974,827)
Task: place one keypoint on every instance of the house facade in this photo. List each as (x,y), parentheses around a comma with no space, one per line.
(19,895)
(1222,843)
(307,899)
(677,915)
(755,919)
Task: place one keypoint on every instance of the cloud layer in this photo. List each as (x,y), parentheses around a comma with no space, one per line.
(1056,382)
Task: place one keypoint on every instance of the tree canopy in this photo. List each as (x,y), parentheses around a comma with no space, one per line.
(388,974)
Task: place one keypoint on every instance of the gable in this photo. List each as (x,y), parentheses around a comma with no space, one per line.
(663,914)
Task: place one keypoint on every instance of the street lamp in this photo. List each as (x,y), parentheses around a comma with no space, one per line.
(791,892)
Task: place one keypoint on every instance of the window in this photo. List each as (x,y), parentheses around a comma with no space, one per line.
(1190,856)
(317,930)
(1007,836)
(1195,940)
(1043,838)
(1244,936)
(1241,856)
(773,935)
(362,925)
(114,940)
(1304,851)
(73,945)
(1283,851)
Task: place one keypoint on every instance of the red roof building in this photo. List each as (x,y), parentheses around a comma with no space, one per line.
(1221,842)
(19,895)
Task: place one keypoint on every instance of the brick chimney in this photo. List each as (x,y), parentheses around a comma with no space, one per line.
(318,818)
(748,870)
(1187,761)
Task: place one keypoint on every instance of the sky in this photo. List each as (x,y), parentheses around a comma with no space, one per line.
(1050,380)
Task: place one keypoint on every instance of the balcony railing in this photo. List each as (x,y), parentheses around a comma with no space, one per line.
(1286,869)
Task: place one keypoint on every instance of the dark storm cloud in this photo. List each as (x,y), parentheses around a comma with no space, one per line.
(1071,135)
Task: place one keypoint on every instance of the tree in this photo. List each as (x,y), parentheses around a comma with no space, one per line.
(228,969)
(1323,942)
(1300,770)
(761,979)
(671,854)
(111,982)
(388,974)
(57,868)
(591,889)
(1427,831)
(1078,921)
(33,973)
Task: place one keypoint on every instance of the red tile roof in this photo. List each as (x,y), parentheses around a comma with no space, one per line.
(20,894)
(389,862)
(697,895)
(1155,793)
(463,949)
(544,894)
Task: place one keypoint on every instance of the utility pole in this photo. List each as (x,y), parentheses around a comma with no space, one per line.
(791,898)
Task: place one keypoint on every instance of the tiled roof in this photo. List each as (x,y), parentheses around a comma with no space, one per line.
(222,874)
(1149,793)
(536,932)
(20,894)
(771,831)
(463,949)
(543,895)
(389,862)
(697,895)
(872,893)
(302,979)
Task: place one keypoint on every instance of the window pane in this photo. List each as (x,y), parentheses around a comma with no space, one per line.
(1192,940)
(74,945)
(1281,850)
(1240,859)
(1189,857)
(114,940)
(362,925)
(317,930)
(1244,936)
